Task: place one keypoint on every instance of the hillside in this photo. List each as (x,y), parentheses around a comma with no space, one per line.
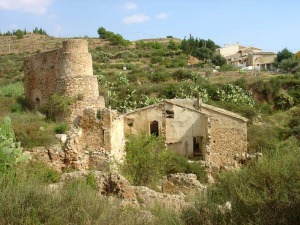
(264,191)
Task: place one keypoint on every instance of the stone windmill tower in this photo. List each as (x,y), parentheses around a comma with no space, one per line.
(67,72)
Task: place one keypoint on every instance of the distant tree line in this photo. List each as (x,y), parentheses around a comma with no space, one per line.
(115,39)
(202,49)
(20,33)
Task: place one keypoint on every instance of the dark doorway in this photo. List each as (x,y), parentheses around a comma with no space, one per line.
(154,128)
(37,101)
(197,146)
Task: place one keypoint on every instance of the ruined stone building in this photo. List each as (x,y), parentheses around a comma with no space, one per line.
(193,129)
(188,126)
(67,71)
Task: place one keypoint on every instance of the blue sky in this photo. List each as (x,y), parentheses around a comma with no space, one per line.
(268,24)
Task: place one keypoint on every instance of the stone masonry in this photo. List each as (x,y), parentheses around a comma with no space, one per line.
(67,71)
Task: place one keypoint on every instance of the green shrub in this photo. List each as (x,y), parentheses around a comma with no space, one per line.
(179,164)
(242,109)
(156,59)
(143,160)
(181,75)
(6,104)
(242,83)
(199,170)
(24,102)
(147,161)
(132,77)
(262,138)
(42,171)
(16,108)
(228,67)
(283,101)
(266,90)
(157,77)
(59,106)
(61,128)
(205,213)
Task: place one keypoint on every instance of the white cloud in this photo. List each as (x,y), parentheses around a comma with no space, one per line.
(32,6)
(131,6)
(136,18)
(162,15)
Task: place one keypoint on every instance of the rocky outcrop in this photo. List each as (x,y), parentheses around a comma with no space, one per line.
(148,198)
(53,156)
(181,183)
(112,185)
(72,153)
(117,188)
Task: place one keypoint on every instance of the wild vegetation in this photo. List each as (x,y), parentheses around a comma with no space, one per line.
(147,160)
(142,73)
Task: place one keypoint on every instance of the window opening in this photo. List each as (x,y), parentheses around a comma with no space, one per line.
(170,113)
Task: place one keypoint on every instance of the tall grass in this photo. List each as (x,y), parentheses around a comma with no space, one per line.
(266,192)
(27,198)
(12,90)
(32,130)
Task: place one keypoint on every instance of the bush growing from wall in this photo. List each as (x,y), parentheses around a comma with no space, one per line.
(59,106)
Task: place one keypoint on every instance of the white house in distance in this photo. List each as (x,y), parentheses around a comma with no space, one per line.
(251,57)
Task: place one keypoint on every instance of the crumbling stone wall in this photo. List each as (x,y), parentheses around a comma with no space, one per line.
(67,71)
(228,136)
(41,76)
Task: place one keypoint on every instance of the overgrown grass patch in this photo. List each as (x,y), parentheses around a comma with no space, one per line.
(12,90)
(32,130)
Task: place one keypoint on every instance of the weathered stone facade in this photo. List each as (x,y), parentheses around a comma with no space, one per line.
(228,135)
(193,129)
(67,71)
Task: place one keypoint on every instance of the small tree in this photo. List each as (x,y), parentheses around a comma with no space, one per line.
(281,55)
(173,45)
(115,39)
(289,65)
(218,60)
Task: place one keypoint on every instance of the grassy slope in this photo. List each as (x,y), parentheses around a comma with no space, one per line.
(270,129)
